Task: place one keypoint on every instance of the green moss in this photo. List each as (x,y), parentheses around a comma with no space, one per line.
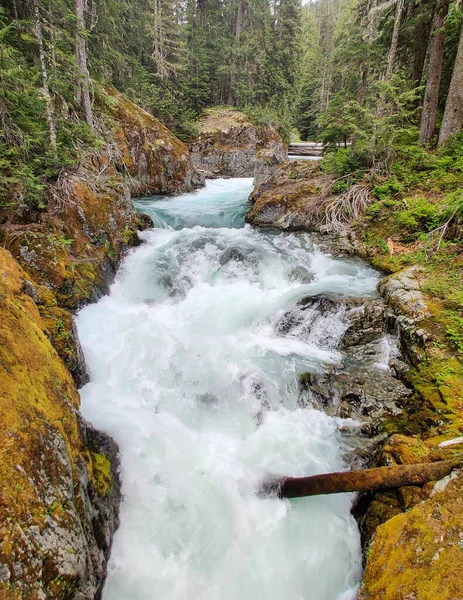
(419,554)
(101,473)
(38,403)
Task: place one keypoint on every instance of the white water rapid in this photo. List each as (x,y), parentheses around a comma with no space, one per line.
(195,380)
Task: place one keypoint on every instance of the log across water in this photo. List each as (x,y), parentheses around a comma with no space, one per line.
(366,480)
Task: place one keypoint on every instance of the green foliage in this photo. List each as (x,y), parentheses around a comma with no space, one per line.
(377,129)
(454,331)
(268,115)
(341,162)
(453,205)
(389,188)
(27,162)
(420,214)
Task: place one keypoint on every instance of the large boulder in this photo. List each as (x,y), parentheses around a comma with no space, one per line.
(229,145)
(294,198)
(156,160)
(290,198)
(407,310)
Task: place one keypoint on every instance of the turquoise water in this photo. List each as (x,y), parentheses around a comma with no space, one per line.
(196,382)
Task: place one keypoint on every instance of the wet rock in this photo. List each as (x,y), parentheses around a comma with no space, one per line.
(319,320)
(366,323)
(228,145)
(362,387)
(235,254)
(301,274)
(363,316)
(366,393)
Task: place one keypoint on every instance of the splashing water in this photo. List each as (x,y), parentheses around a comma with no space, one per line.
(193,376)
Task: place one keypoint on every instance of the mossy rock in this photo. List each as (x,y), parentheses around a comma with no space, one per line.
(419,554)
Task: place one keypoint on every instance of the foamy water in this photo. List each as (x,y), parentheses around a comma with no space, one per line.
(193,377)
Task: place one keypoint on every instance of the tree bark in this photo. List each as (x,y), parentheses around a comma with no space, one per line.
(436,59)
(239,20)
(45,87)
(367,480)
(392,53)
(453,114)
(81,58)
(395,40)
(238,30)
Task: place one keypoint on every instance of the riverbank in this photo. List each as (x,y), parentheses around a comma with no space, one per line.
(424,303)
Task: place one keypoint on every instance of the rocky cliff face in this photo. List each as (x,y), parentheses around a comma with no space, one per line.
(59,495)
(412,536)
(59,486)
(228,145)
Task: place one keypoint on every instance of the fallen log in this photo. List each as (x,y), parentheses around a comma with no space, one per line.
(366,480)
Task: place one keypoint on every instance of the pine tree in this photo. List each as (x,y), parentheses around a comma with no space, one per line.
(452,121)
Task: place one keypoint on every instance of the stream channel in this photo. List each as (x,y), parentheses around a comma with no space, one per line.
(197,383)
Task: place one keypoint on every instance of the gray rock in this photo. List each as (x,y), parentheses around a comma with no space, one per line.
(228,145)
(29,288)
(406,309)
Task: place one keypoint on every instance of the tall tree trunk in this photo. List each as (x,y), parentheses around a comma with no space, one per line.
(362,91)
(239,20)
(391,56)
(45,87)
(159,41)
(238,30)
(81,57)
(436,58)
(201,5)
(395,40)
(453,114)
(370,37)
(15,10)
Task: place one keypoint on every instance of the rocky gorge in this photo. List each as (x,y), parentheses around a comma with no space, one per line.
(58,523)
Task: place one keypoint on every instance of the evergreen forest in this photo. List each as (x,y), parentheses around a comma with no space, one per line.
(380,75)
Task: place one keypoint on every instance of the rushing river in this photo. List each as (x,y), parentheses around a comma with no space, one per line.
(192,376)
